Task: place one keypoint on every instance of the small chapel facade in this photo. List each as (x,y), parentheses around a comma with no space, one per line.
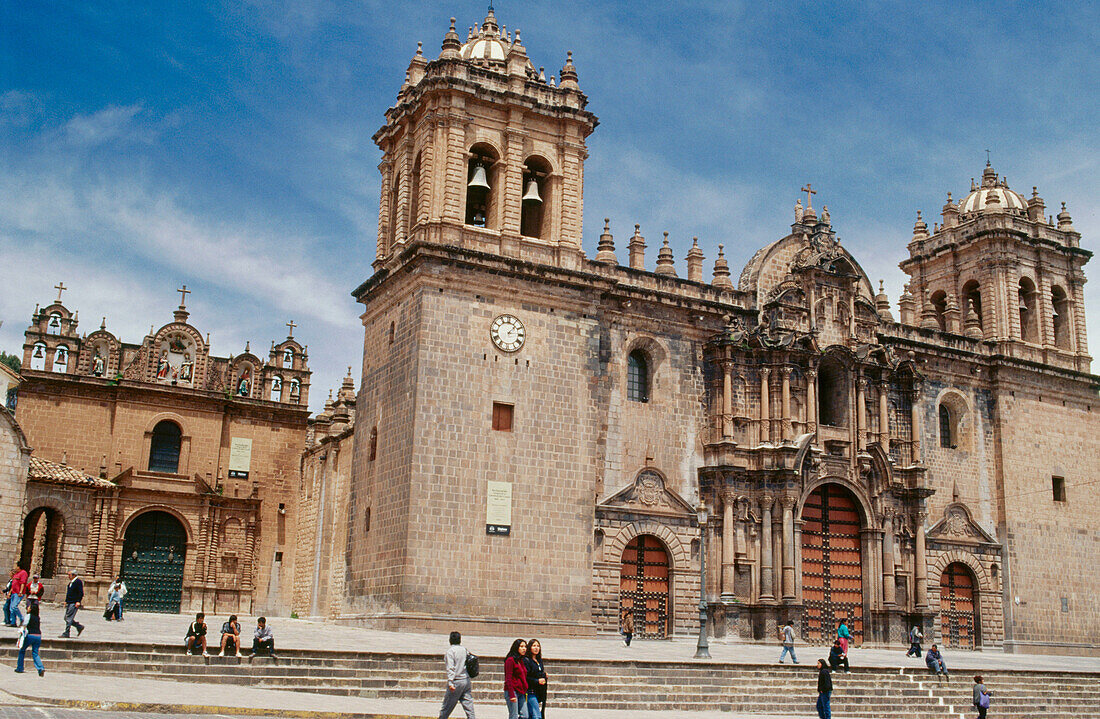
(161,463)
(546,441)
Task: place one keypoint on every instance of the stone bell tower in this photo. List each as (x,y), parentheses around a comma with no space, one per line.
(483,152)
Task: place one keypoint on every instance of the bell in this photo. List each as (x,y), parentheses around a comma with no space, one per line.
(1023,303)
(479,180)
(532,193)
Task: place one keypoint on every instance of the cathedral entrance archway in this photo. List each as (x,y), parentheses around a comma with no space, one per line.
(832,565)
(153,554)
(643,586)
(958,618)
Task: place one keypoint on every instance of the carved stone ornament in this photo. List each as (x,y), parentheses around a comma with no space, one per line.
(649,490)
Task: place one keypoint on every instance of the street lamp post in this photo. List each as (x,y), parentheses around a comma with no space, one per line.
(702,650)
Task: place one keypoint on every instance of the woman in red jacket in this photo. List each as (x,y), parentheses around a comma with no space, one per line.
(515,679)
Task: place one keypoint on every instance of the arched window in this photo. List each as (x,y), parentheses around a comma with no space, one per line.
(480,187)
(1060,304)
(1029,325)
(277,389)
(295,389)
(395,192)
(939,304)
(637,377)
(38,356)
(536,186)
(972,297)
(61,359)
(288,357)
(947,429)
(164,449)
(54,326)
(832,394)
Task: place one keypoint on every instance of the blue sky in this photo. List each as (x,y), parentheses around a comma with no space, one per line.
(227,145)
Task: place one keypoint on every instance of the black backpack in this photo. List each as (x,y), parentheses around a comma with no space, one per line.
(473,668)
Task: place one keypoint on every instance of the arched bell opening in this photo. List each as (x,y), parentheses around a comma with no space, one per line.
(481,184)
(536,198)
(832,393)
(939,306)
(1060,305)
(1029,325)
(972,297)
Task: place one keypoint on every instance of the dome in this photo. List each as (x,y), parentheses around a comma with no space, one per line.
(484,48)
(992,194)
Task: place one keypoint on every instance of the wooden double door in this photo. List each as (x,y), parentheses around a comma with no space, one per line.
(644,586)
(832,565)
(958,618)
(153,555)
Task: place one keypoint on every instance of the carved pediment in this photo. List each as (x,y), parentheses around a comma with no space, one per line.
(647,494)
(958,527)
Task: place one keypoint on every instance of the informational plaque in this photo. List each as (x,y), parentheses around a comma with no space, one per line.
(498,508)
(240,457)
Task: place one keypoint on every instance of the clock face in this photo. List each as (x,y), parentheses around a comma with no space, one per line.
(507,333)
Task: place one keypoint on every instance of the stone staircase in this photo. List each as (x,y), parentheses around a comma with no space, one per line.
(871,693)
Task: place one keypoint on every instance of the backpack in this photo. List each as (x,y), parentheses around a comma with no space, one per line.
(473,667)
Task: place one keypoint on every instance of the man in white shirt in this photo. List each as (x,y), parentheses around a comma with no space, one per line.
(458,681)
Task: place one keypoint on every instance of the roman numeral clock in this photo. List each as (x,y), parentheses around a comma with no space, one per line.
(507,333)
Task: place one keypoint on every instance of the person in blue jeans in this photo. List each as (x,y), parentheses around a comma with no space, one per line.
(788,643)
(824,690)
(32,640)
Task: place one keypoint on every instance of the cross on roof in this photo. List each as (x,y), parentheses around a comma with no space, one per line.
(183,295)
(810,192)
(291,325)
(60,287)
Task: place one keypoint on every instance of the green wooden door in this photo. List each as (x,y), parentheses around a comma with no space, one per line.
(152,563)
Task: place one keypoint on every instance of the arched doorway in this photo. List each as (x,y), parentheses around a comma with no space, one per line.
(643,586)
(43,531)
(832,565)
(958,615)
(153,556)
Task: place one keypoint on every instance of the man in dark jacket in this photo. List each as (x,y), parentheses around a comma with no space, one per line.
(74,595)
(824,690)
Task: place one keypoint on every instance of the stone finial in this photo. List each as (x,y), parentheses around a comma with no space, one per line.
(1036,208)
(882,303)
(722,271)
(972,325)
(928,319)
(542,74)
(950,213)
(665,264)
(952,315)
(605,250)
(636,247)
(569,73)
(907,307)
(920,228)
(452,44)
(1064,220)
(103,323)
(695,261)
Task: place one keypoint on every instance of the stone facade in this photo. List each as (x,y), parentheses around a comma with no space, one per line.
(536,430)
(15,456)
(209,445)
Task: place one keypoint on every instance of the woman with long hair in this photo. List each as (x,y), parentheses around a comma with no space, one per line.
(536,681)
(515,679)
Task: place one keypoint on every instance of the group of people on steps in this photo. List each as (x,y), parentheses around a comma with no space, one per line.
(525,680)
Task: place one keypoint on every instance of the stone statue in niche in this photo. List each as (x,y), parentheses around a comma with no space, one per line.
(186,368)
(244,383)
(98,366)
(163,368)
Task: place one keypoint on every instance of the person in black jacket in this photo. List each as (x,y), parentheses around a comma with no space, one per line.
(837,658)
(32,640)
(536,680)
(74,595)
(824,690)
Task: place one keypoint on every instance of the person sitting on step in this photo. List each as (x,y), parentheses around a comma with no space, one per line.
(231,636)
(837,658)
(263,641)
(935,662)
(196,635)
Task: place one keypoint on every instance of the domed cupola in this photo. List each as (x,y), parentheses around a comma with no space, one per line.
(489,44)
(992,195)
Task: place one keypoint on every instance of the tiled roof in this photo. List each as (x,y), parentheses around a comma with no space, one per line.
(47,471)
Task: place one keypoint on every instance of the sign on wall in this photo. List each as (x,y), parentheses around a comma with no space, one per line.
(240,457)
(498,508)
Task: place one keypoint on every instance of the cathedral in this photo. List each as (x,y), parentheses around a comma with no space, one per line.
(546,441)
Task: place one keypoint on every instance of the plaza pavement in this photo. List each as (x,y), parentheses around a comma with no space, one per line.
(139,694)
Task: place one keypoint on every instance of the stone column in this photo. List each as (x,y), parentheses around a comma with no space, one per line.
(786,419)
(765,411)
(884,416)
(766,580)
(728,551)
(915,421)
(777,554)
(861,413)
(798,560)
(888,584)
(788,547)
(811,400)
(727,399)
(920,562)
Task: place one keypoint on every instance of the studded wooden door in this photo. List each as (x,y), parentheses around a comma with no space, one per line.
(153,556)
(643,586)
(957,607)
(832,565)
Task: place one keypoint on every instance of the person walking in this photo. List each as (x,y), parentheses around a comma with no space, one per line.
(628,626)
(935,662)
(35,590)
(74,595)
(33,639)
(837,658)
(981,697)
(824,690)
(18,591)
(459,685)
(844,634)
(915,638)
(118,589)
(787,635)
(515,679)
(536,680)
